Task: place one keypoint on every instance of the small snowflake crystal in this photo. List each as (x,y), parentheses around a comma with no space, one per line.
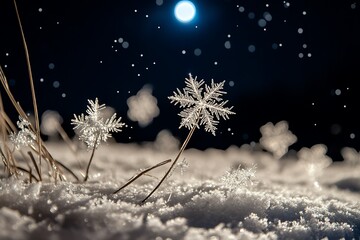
(239,177)
(93,128)
(25,137)
(199,107)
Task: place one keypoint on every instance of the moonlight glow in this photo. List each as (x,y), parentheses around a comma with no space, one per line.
(185,11)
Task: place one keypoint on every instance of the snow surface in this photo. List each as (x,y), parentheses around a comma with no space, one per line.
(282,203)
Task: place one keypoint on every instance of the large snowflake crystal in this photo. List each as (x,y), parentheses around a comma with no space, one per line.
(93,128)
(201,106)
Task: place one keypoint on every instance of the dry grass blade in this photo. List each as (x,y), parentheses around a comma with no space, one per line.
(143,172)
(33,95)
(36,166)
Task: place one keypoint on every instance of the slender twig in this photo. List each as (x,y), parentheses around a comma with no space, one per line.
(143,172)
(173,164)
(91,158)
(33,95)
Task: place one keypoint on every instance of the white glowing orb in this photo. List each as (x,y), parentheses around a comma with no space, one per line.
(185,11)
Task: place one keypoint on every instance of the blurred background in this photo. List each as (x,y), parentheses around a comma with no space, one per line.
(293,61)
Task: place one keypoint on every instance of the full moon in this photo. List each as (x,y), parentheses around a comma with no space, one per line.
(185,11)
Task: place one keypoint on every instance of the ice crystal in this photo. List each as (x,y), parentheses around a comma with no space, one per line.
(315,161)
(239,177)
(25,137)
(93,128)
(200,107)
(277,138)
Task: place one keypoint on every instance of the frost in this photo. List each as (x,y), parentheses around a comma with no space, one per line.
(93,128)
(239,177)
(199,106)
(25,137)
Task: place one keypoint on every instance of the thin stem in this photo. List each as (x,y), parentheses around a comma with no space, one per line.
(132,179)
(91,158)
(33,95)
(173,164)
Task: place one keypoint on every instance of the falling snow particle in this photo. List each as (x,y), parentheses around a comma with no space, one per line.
(267,5)
(51,66)
(227,45)
(231,83)
(251,48)
(304,13)
(197,52)
(353,6)
(40,9)
(267,16)
(251,15)
(300,31)
(301,55)
(261,23)
(41,80)
(56,84)
(125,44)
(120,40)
(286,4)
(63,95)
(338,92)
(352,135)
(135,10)
(7,54)
(215,63)
(183,52)
(309,55)
(304,45)
(229,36)
(241,9)
(274,46)
(159,2)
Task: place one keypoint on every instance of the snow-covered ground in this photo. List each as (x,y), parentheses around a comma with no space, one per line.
(212,199)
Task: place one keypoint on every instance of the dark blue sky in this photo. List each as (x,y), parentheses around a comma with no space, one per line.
(271,84)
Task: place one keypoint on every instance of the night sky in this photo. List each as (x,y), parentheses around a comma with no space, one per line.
(282,60)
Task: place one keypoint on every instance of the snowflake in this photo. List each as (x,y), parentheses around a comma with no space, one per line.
(93,128)
(199,106)
(239,177)
(278,138)
(315,160)
(25,137)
